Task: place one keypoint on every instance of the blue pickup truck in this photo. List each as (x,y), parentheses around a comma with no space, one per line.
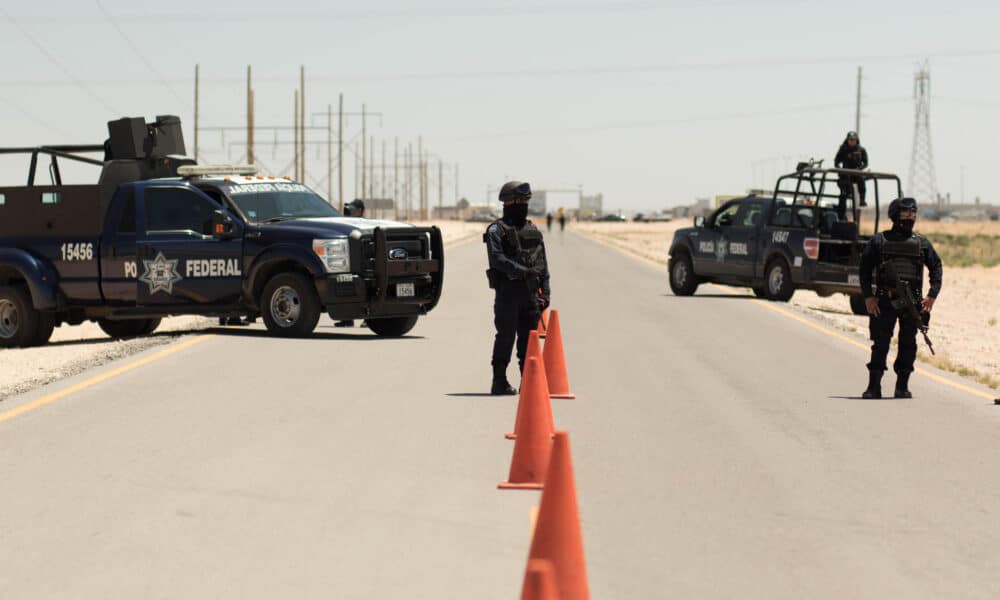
(159,235)
(808,234)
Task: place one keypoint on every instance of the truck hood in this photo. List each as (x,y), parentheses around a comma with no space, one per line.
(326,227)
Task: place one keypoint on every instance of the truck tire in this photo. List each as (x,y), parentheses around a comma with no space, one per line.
(128,329)
(290,305)
(681,272)
(392,326)
(858,304)
(760,292)
(46,325)
(778,279)
(18,318)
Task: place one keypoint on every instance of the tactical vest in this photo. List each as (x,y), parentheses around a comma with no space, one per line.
(523,246)
(905,258)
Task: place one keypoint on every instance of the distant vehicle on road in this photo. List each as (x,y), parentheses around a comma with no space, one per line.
(160,235)
(482,218)
(794,240)
(612,218)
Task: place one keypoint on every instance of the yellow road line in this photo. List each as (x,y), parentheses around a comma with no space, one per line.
(49,399)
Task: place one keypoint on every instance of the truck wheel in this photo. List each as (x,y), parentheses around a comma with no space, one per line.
(682,278)
(18,318)
(46,325)
(290,305)
(779,281)
(128,329)
(392,327)
(760,292)
(858,304)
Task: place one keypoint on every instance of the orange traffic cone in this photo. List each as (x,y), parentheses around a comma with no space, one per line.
(555,362)
(557,534)
(543,324)
(539,581)
(534,440)
(534,350)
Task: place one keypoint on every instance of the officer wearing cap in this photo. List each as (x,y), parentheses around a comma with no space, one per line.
(356,208)
(519,273)
(851,155)
(898,252)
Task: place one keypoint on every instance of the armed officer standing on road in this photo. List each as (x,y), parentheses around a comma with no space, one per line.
(520,275)
(897,257)
(850,155)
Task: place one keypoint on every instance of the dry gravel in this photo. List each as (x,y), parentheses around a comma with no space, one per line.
(75,349)
(965,326)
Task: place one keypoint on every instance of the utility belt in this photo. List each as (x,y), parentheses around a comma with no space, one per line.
(497,280)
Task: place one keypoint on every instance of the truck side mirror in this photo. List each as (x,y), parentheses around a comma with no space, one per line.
(699,221)
(222,225)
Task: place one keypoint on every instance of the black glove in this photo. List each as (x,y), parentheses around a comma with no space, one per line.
(543,301)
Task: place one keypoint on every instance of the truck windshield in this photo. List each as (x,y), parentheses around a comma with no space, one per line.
(263,202)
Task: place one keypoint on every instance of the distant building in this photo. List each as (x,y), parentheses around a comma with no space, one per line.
(592,204)
(538,205)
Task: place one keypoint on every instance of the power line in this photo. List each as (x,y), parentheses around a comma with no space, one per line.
(69,74)
(138,52)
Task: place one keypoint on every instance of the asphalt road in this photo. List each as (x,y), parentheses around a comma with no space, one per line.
(720,451)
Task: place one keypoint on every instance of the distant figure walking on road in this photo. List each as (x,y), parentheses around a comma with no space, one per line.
(548,222)
(562,220)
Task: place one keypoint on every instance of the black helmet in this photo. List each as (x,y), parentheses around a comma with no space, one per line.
(852,134)
(515,189)
(899,205)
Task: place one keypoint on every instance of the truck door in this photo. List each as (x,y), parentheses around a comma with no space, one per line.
(181,261)
(118,250)
(744,238)
(712,250)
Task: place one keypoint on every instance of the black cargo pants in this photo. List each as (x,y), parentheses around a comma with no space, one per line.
(880,331)
(515,315)
(846,185)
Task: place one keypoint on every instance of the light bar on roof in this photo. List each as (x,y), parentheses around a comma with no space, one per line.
(195,170)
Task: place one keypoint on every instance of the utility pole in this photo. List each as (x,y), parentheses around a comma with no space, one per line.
(371,167)
(357,174)
(364,146)
(340,153)
(196,79)
(857,107)
(296,175)
(456,185)
(440,189)
(395,178)
(302,122)
(409,179)
(249,119)
(329,154)
(382,186)
(420,176)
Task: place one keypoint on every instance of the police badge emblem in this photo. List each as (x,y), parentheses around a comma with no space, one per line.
(161,274)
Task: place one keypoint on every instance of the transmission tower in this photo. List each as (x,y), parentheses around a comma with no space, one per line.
(922,184)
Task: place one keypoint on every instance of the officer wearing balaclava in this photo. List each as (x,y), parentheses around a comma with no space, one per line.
(520,276)
(897,253)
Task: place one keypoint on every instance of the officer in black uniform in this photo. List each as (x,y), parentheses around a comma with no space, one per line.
(520,275)
(904,253)
(850,155)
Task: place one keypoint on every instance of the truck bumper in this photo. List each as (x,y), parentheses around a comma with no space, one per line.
(388,287)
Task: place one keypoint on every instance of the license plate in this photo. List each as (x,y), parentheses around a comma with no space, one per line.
(405,290)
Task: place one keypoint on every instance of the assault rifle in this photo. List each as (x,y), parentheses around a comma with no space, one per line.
(905,301)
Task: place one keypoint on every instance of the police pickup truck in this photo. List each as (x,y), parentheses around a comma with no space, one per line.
(806,236)
(159,235)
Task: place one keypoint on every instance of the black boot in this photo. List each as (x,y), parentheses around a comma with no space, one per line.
(501,387)
(874,390)
(903,385)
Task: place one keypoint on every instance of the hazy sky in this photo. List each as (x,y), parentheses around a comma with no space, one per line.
(650,103)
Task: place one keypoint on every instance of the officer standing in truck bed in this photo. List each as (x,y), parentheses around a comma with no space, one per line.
(519,273)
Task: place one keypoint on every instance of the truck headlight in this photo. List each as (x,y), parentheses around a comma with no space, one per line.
(335,254)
